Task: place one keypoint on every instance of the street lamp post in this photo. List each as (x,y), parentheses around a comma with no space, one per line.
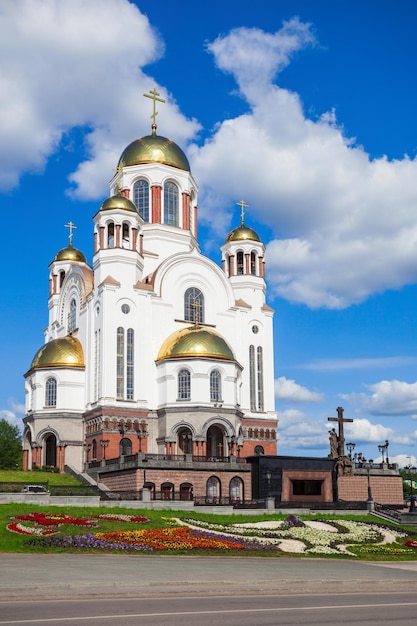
(268,480)
(141,435)
(370,501)
(411,471)
(350,447)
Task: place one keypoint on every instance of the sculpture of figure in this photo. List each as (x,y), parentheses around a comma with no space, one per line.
(333,444)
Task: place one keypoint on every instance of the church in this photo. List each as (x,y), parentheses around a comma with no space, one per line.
(157,364)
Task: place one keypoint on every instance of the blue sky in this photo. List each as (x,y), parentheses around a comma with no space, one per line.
(306,110)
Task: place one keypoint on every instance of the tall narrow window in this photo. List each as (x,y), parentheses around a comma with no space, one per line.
(130,363)
(141,198)
(50,392)
(194,305)
(239,262)
(260,376)
(252,378)
(97,365)
(120,373)
(253,263)
(110,235)
(256,378)
(171,204)
(73,316)
(215,386)
(125,364)
(184,385)
(125,236)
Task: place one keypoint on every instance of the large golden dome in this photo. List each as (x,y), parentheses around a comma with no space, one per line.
(195,342)
(70,254)
(63,352)
(154,149)
(242,233)
(118,202)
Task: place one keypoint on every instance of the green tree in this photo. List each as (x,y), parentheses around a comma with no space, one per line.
(10,446)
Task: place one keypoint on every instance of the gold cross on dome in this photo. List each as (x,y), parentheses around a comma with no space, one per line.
(71,227)
(153,95)
(197,306)
(243,206)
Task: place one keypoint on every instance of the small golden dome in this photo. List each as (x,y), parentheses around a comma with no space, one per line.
(70,254)
(154,149)
(118,202)
(242,233)
(197,342)
(63,352)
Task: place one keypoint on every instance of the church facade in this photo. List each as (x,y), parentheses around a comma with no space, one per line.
(153,349)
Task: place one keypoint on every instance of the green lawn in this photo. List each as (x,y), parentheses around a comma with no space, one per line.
(34,477)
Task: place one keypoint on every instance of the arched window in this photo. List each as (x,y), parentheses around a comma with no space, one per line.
(125,364)
(184,385)
(130,363)
(236,489)
(193,303)
(94,453)
(110,235)
(120,366)
(171,204)
(186,491)
(73,315)
(125,447)
(125,236)
(240,263)
(61,277)
(215,386)
(253,263)
(213,492)
(185,441)
(167,491)
(50,392)
(141,198)
(256,378)
(260,373)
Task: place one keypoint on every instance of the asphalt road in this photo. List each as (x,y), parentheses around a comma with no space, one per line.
(98,590)
(321,609)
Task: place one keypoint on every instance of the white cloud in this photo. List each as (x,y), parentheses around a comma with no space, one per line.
(363,431)
(14,414)
(388,397)
(76,64)
(347,223)
(287,389)
(298,431)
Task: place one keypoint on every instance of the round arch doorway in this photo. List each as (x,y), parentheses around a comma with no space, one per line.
(215,443)
(50,450)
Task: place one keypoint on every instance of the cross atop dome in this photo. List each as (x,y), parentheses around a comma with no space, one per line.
(153,95)
(71,227)
(243,206)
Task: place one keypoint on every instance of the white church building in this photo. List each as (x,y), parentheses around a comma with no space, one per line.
(153,350)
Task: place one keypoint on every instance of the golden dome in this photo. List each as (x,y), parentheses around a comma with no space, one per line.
(63,352)
(197,342)
(70,254)
(118,202)
(242,233)
(154,149)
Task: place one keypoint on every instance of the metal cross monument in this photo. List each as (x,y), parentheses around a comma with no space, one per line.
(341,435)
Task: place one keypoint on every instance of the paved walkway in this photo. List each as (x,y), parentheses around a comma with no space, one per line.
(81,576)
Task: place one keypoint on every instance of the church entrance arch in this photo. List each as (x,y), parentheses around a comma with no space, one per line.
(215,443)
(185,441)
(50,450)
